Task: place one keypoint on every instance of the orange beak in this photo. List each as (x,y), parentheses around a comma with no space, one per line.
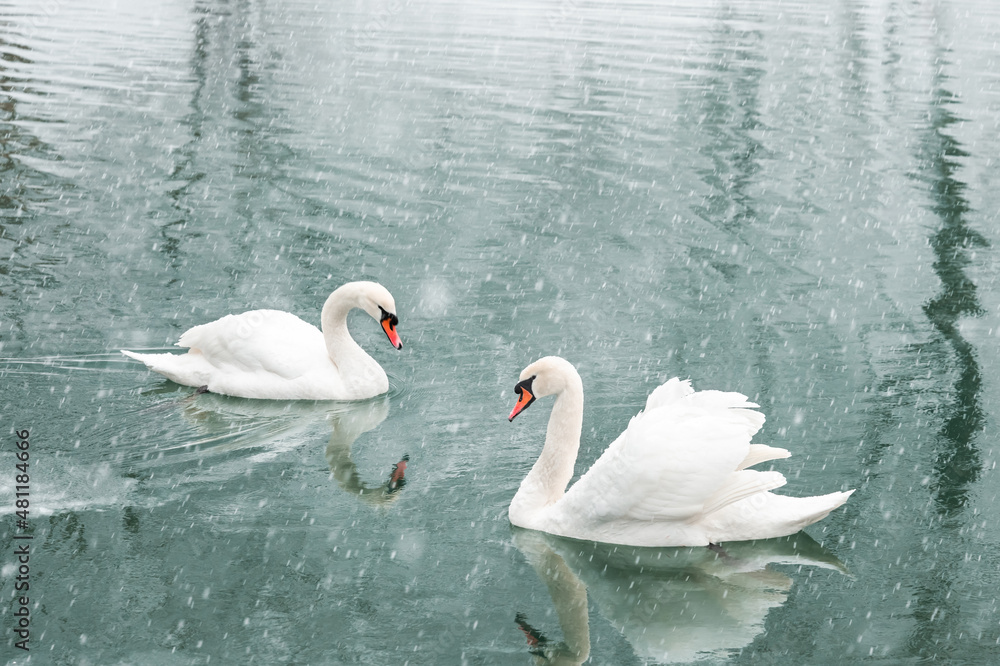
(398,478)
(524,397)
(389,322)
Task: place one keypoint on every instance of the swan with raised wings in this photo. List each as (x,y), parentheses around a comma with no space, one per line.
(677,476)
(275,355)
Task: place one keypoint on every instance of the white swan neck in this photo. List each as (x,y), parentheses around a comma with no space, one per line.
(336,308)
(546,483)
(351,360)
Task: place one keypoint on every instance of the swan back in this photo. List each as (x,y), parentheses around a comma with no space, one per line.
(675,462)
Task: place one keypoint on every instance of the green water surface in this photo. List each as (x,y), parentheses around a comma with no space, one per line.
(795,200)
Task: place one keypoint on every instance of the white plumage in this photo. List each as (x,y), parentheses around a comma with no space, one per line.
(275,355)
(677,476)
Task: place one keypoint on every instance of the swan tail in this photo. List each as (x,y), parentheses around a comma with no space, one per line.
(816,508)
(769,516)
(761,453)
(742,484)
(147,359)
(179,368)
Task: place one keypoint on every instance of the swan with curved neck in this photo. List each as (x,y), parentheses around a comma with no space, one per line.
(677,476)
(275,355)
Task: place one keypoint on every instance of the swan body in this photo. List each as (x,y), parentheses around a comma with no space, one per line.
(677,476)
(275,355)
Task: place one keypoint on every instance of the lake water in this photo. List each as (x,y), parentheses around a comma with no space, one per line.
(795,200)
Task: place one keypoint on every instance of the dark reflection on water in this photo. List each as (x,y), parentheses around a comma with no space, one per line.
(731,116)
(958,462)
(28,264)
(185,172)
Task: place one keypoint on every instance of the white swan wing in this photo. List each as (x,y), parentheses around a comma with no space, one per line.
(762,453)
(675,462)
(668,392)
(268,341)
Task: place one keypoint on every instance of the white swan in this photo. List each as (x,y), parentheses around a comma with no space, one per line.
(275,355)
(676,477)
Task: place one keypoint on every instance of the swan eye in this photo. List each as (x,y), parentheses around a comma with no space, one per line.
(526,384)
(393,319)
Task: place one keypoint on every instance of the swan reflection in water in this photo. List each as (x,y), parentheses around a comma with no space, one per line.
(348,425)
(229,423)
(671,604)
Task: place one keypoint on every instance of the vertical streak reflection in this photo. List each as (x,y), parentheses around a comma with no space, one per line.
(732,119)
(958,462)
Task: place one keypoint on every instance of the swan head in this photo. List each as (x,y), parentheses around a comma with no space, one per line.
(546,376)
(376,300)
